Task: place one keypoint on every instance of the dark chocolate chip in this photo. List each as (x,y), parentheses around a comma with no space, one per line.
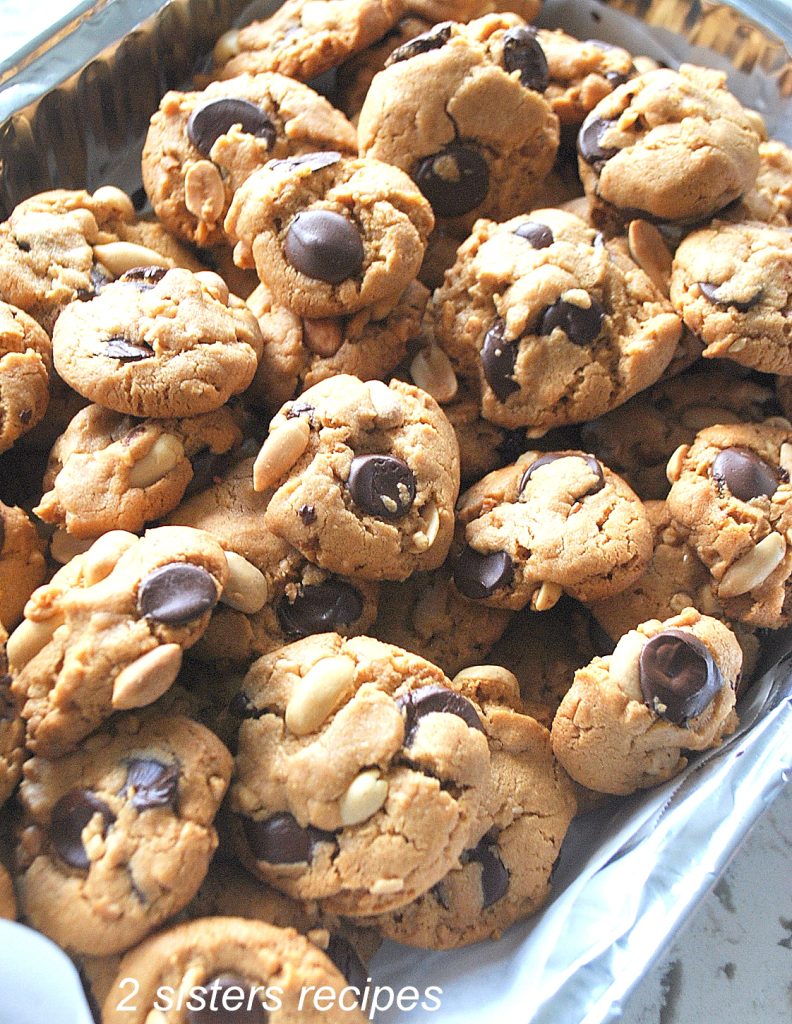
(281,840)
(241,706)
(323,608)
(440,893)
(382,486)
(544,460)
(70,815)
(307,514)
(539,235)
(25,416)
(498,359)
(98,280)
(126,351)
(478,576)
(208,122)
(581,326)
(324,245)
(207,466)
(427,700)
(313,161)
(154,784)
(455,180)
(426,41)
(710,292)
(345,957)
(679,676)
(522,52)
(744,474)
(143,277)
(226,999)
(494,874)
(589,142)
(301,409)
(616,78)
(176,593)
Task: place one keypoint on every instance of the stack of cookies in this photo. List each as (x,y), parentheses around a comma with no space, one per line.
(372,507)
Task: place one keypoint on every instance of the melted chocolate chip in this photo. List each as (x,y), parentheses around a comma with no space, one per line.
(176,593)
(326,607)
(226,999)
(498,359)
(589,142)
(679,676)
(70,815)
(744,474)
(143,277)
(455,180)
(307,514)
(426,41)
(581,326)
(208,122)
(478,576)
(434,699)
(546,459)
(345,957)
(494,874)
(382,486)
(281,840)
(126,351)
(324,245)
(154,784)
(710,292)
(539,235)
(522,52)
(313,161)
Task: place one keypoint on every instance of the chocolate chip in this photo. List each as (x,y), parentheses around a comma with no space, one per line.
(207,466)
(323,608)
(70,815)
(25,416)
(307,514)
(208,122)
(710,292)
(143,277)
(539,235)
(498,359)
(176,593)
(440,893)
(324,245)
(281,840)
(433,699)
(154,784)
(455,180)
(426,41)
(744,474)
(98,280)
(522,52)
(581,326)
(478,576)
(241,706)
(616,78)
(494,874)
(382,486)
(345,957)
(679,676)
(589,142)
(227,999)
(313,161)
(301,409)
(544,460)
(126,351)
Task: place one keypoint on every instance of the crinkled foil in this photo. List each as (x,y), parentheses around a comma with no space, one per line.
(76,115)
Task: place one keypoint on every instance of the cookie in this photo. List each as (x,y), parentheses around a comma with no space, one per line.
(113,472)
(730,283)
(25,366)
(460,109)
(303,38)
(330,235)
(770,199)
(201,146)
(668,687)
(732,498)
(359,776)
(365,477)
(552,523)
(108,631)
(119,835)
(159,344)
(671,146)
(8,909)
(555,326)
(299,352)
(12,736)
(22,566)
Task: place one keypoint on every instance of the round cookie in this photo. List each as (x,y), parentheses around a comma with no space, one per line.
(201,146)
(730,283)
(770,199)
(8,908)
(360,773)
(107,632)
(330,235)
(553,523)
(299,352)
(159,344)
(22,565)
(25,367)
(112,472)
(119,835)
(555,326)
(303,38)
(668,687)
(672,146)
(460,109)
(12,735)
(732,498)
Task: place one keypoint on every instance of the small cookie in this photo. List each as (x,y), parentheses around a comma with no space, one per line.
(365,477)
(201,146)
(119,835)
(770,199)
(12,736)
(22,566)
(25,367)
(668,145)
(107,632)
(112,472)
(159,344)
(668,687)
(330,235)
(731,496)
(359,776)
(553,523)
(460,109)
